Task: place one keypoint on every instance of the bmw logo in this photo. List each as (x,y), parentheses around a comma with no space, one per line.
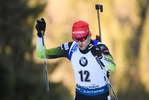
(83,61)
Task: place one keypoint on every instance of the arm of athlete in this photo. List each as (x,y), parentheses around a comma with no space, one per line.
(52,53)
(107,58)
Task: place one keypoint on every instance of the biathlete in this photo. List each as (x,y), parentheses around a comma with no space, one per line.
(90,78)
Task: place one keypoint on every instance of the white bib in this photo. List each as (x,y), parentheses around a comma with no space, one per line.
(88,73)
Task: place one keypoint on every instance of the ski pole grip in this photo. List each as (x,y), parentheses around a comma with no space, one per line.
(98,6)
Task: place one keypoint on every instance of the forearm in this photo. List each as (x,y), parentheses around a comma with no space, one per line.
(51,53)
(39,48)
(108,62)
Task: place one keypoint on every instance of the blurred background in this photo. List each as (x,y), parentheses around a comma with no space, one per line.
(124,29)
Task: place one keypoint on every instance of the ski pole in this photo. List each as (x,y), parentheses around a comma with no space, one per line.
(98,6)
(98,60)
(44,52)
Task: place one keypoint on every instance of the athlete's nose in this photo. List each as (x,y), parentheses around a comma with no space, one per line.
(79,42)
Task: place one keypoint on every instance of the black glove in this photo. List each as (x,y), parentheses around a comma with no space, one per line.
(95,50)
(40,26)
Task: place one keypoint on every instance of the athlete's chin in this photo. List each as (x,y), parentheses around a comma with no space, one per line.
(82,48)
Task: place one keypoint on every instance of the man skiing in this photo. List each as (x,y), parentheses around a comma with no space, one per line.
(90,78)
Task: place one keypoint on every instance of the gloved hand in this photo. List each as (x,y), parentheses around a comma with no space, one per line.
(95,50)
(40,26)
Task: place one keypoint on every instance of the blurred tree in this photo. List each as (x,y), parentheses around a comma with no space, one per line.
(130,84)
(21,78)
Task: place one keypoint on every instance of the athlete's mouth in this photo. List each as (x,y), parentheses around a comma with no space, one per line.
(81,46)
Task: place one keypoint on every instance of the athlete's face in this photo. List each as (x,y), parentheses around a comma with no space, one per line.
(83,45)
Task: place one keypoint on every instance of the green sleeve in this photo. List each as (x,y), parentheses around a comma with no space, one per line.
(50,53)
(109,63)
